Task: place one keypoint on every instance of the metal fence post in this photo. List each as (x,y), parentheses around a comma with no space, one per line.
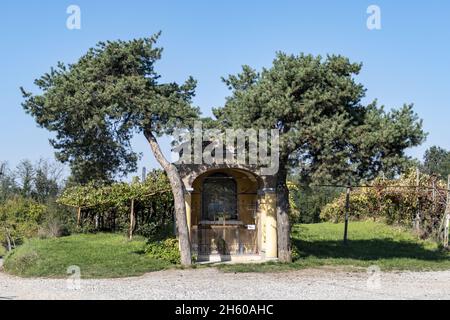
(347,211)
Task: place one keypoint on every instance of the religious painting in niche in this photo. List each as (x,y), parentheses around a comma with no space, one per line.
(219,198)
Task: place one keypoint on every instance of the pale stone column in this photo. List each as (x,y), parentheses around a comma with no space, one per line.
(270,206)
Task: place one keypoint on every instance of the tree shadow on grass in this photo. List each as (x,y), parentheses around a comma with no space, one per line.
(367,250)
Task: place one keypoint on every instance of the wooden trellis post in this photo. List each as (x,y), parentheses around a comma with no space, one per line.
(433,184)
(132,220)
(417,218)
(79,216)
(447,215)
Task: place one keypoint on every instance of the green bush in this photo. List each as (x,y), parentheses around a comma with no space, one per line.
(156,231)
(167,250)
(23,260)
(295,254)
(2,251)
(19,219)
(57,221)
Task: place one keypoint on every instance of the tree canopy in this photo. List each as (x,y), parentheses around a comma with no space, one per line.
(326,132)
(437,162)
(96,105)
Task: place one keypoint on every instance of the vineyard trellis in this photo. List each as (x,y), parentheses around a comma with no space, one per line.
(418,200)
(118,195)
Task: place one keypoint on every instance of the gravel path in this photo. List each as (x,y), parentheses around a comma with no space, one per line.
(209,283)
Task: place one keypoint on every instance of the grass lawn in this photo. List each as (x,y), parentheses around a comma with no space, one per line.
(370,243)
(97,255)
(112,255)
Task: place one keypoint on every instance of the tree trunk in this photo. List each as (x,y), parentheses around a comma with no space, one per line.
(178,195)
(8,240)
(8,244)
(283,224)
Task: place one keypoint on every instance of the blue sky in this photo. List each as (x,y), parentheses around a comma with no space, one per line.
(407,61)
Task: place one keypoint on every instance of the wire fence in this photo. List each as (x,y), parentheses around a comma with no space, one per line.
(423,206)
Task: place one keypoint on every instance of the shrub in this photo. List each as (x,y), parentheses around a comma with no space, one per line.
(363,203)
(156,231)
(2,251)
(18,263)
(57,221)
(19,219)
(295,254)
(167,250)
(52,229)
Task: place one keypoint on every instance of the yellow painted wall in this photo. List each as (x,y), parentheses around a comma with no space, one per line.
(271,248)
